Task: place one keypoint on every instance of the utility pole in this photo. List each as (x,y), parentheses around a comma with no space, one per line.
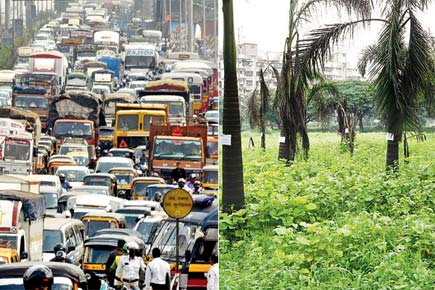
(7,14)
(170,20)
(190,25)
(204,24)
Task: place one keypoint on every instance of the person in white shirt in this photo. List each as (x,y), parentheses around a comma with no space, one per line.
(213,274)
(129,267)
(157,274)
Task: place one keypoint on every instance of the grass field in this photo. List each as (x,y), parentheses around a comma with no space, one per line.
(334,221)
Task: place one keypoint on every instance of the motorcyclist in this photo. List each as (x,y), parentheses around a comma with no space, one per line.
(197,188)
(157,197)
(64,183)
(38,277)
(113,269)
(60,254)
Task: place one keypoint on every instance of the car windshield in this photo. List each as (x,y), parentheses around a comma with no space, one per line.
(151,191)
(50,200)
(140,189)
(31,102)
(124,178)
(177,150)
(65,149)
(212,148)
(93,226)
(51,238)
(147,230)
(72,175)
(72,129)
(106,133)
(97,254)
(211,177)
(104,167)
(92,190)
(8,241)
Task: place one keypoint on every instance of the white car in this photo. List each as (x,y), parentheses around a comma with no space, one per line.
(136,85)
(212,116)
(104,164)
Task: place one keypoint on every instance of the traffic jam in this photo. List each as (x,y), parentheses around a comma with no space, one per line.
(109,156)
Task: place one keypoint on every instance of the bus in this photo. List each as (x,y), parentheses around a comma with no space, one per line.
(196,86)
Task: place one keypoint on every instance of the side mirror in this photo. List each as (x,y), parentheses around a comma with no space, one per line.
(24,256)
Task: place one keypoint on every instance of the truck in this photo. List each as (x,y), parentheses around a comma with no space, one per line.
(132,123)
(76,114)
(34,99)
(22,223)
(104,77)
(107,39)
(50,63)
(140,57)
(7,78)
(171,144)
(113,64)
(20,131)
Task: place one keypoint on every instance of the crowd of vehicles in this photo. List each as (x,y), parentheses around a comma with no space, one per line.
(94,118)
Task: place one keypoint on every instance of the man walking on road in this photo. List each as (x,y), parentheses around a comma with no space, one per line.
(157,274)
(213,274)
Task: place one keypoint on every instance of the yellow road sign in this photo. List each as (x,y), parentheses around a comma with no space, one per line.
(177,203)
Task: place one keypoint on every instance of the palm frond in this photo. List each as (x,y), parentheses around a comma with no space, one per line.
(253,114)
(367,56)
(388,67)
(316,47)
(264,95)
(362,8)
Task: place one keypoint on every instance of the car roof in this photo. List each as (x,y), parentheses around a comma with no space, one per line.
(58,223)
(75,168)
(114,159)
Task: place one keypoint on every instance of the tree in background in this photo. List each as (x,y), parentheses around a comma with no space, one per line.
(401,65)
(299,72)
(233,196)
(257,113)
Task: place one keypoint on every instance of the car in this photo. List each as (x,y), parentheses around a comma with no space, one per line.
(104,164)
(133,214)
(49,181)
(101,89)
(51,198)
(121,152)
(212,116)
(92,189)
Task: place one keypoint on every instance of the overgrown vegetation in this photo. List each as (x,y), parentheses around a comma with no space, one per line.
(333,221)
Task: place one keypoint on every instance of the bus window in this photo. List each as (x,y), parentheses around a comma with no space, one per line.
(156,120)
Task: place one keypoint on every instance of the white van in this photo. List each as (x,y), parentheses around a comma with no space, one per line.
(69,232)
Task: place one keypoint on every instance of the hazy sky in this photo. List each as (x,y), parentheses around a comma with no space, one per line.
(266,23)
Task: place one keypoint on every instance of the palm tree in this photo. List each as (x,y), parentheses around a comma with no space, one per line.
(233,197)
(401,65)
(257,116)
(298,73)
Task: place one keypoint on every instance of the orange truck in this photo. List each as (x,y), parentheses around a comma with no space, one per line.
(76,114)
(172,144)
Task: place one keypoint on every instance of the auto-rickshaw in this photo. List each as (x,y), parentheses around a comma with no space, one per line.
(139,185)
(41,166)
(106,179)
(53,165)
(95,221)
(210,179)
(124,180)
(106,138)
(66,276)
(97,252)
(9,255)
(51,142)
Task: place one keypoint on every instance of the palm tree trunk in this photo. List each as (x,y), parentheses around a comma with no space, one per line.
(393,153)
(284,146)
(233,197)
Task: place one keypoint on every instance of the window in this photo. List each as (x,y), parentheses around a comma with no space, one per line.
(249,73)
(126,122)
(71,239)
(249,83)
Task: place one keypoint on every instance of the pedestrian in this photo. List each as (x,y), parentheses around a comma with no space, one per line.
(157,274)
(213,274)
(116,278)
(115,253)
(129,267)
(38,277)
(178,172)
(144,157)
